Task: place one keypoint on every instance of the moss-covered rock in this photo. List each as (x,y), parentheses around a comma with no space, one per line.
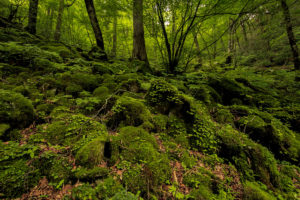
(16,110)
(129,111)
(73,130)
(92,153)
(84,174)
(254,161)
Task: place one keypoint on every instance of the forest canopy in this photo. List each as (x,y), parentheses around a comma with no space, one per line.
(177,34)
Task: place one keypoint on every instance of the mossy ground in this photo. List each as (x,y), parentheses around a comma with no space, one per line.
(84,129)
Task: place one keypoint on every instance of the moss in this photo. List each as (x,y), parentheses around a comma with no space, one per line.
(129,111)
(138,146)
(253,191)
(227,88)
(224,116)
(132,85)
(23,55)
(92,153)
(83,191)
(101,68)
(84,174)
(73,89)
(101,92)
(205,93)
(160,122)
(253,160)
(3,129)
(163,96)
(71,130)
(16,110)
(108,187)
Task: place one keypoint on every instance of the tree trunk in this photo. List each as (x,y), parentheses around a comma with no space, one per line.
(32,16)
(95,24)
(139,47)
(290,33)
(50,24)
(230,42)
(59,20)
(198,50)
(114,49)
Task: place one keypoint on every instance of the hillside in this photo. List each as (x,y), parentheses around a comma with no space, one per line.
(73,126)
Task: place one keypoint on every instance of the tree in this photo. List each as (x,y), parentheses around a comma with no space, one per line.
(61,9)
(139,47)
(95,24)
(32,16)
(290,33)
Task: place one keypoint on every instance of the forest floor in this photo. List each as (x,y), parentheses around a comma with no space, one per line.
(75,127)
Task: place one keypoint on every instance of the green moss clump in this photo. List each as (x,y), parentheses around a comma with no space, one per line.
(101,92)
(84,174)
(224,116)
(129,112)
(92,153)
(15,109)
(73,130)
(253,191)
(163,96)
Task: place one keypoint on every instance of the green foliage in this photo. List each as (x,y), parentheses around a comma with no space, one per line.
(155,170)
(16,175)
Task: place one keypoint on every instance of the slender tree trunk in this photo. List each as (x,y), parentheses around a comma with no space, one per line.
(290,33)
(32,16)
(198,50)
(114,49)
(139,47)
(230,42)
(50,24)
(59,20)
(95,24)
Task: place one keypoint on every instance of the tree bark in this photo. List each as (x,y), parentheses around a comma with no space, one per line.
(290,33)
(95,24)
(139,47)
(59,20)
(32,16)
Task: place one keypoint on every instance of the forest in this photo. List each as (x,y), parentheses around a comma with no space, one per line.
(150,99)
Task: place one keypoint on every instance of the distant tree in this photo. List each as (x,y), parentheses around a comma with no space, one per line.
(61,9)
(290,33)
(32,16)
(139,47)
(95,24)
